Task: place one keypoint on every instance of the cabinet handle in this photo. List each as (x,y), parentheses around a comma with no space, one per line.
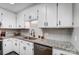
(29,17)
(24,48)
(45,23)
(15,44)
(19,25)
(5,44)
(28,44)
(72,23)
(1,13)
(33,49)
(59,22)
(10,25)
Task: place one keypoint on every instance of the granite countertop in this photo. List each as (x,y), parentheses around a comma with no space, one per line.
(52,43)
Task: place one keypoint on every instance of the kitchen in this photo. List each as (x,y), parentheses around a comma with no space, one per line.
(39,29)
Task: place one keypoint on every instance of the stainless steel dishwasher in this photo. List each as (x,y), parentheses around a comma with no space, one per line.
(40,49)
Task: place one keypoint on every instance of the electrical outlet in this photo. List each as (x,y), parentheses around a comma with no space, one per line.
(46,35)
(75,38)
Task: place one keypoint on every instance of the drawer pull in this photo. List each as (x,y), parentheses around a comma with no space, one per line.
(15,44)
(28,44)
(24,48)
(5,44)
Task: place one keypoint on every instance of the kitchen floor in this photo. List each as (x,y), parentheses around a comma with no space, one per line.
(12,53)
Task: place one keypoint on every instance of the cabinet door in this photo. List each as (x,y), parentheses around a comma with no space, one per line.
(7,44)
(26,48)
(12,20)
(27,14)
(76,15)
(20,20)
(65,15)
(33,12)
(22,47)
(5,20)
(47,15)
(29,48)
(52,15)
(16,45)
(41,15)
(4,47)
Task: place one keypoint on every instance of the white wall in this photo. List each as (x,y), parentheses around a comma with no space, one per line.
(58,34)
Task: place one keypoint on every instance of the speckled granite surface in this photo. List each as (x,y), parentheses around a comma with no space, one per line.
(52,43)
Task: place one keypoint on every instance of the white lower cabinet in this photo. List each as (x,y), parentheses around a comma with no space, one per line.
(7,46)
(26,48)
(19,46)
(61,52)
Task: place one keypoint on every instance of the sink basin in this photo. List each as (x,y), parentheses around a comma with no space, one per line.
(30,38)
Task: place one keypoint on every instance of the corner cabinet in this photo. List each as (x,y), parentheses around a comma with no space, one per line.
(21,47)
(55,15)
(7,46)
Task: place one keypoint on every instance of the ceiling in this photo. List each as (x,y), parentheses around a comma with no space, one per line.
(17,7)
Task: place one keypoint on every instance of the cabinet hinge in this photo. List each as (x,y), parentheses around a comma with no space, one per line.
(72,23)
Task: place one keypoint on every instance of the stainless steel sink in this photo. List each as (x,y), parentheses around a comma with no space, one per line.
(30,38)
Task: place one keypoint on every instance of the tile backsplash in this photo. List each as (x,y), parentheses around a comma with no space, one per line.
(25,32)
(58,34)
(53,34)
(75,38)
(10,32)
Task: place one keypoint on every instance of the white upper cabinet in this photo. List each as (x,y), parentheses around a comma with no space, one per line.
(31,13)
(76,15)
(20,20)
(65,15)
(27,14)
(55,15)
(7,19)
(12,20)
(34,13)
(47,15)
(52,15)
(41,15)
